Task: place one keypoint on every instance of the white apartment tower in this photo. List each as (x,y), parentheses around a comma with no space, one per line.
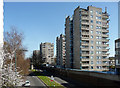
(47,52)
(86,34)
(60,51)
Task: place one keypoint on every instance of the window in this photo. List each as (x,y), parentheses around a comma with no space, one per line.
(98,57)
(98,32)
(98,27)
(91,16)
(91,67)
(98,17)
(91,62)
(100,13)
(97,62)
(98,52)
(91,47)
(91,52)
(91,26)
(97,37)
(91,36)
(98,22)
(91,42)
(91,32)
(91,21)
(98,47)
(96,12)
(91,11)
(91,57)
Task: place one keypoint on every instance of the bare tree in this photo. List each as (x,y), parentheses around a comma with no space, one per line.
(13,48)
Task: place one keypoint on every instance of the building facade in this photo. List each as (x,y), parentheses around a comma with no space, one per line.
(112,63)
(117,55)
(86,36)
(60,51)
(47,52)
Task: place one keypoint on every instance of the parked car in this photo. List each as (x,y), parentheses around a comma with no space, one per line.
(26,84)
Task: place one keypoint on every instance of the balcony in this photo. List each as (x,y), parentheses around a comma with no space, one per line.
(105,40)
(105,64)
(105,45)
(87,48)
(104,30)
(84,28)
(85,33)
(85,23)
(85,38)
(84,13)
(85,64)
(105,54)
(83,43)
(85,59)
(105,35)
(85,54)
(105,16)
(106,50)
(105,26)
(84,18)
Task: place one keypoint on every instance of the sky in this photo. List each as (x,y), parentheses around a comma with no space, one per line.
(44,21)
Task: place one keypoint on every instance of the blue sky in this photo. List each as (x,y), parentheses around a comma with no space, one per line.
(43,22)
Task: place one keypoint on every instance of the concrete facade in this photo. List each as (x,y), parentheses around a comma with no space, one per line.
(117,55)
(47,52)
(60,51)
(87,40)
(112,63)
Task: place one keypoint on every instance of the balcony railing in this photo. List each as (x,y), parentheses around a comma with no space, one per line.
(83,43)
(84,18)
(105,54)
(105,45)
(85,38)
(84,28)
(105,35)
(85,54)
(85,23)
(105,16)
(104,30)
(84,13)
(85,59)
(105,26)
(105,50)
(85,64)
(105,40)
(85,33)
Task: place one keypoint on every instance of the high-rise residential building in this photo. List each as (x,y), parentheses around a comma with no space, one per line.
(86,35)
(47,52)
(60,51)
(117,55)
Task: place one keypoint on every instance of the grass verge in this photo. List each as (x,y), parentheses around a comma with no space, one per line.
(49,83)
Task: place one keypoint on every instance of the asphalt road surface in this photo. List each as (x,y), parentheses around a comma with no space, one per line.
(36,82)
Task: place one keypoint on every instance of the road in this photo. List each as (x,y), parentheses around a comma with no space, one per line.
(36,82)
